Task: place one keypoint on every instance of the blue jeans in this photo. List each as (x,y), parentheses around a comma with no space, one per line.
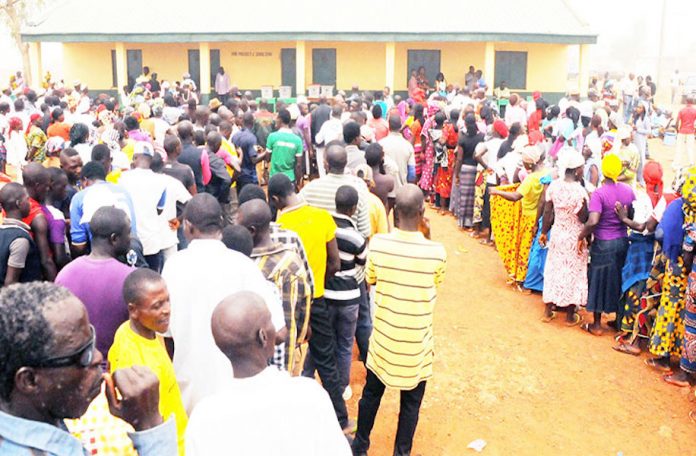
(363,330)
(343,320)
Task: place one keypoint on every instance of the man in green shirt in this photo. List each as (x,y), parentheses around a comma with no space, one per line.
(285,149)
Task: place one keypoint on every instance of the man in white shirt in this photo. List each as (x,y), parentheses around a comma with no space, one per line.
(177,196)
(629,91)
(222,85)
(400,151)
(331,130)
(198,278)
(148,191)
(261,410)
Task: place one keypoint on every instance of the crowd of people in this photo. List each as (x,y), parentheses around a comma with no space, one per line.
(137,241)
(137,238)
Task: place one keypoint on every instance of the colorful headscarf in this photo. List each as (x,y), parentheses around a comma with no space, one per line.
(611,167)
(689,196)
(654,186)
(15,124)
(500,128)
(401,107)
(32,118)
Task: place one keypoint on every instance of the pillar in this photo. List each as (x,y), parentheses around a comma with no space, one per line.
(35,69)
(204,68)
(489,65)
(299,68)
(584,69)
(121,68)
(390,65)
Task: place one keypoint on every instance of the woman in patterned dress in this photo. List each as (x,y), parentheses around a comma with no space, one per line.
(668,328)
(566,209)
(417,138)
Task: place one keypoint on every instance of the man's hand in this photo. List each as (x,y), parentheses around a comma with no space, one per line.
(139,402)
(543,239)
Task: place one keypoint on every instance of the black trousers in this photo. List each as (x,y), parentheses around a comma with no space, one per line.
(322,349)
(409,410)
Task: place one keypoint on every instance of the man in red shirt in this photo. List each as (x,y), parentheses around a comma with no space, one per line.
(685,134)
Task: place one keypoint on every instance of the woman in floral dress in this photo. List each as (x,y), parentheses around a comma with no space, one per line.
(566,209)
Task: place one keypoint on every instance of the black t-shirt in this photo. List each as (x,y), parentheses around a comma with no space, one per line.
(181,172)
(468,145)
(505,147)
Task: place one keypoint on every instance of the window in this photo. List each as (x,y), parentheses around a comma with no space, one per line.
(114,73)
(429,59)
(511,67)
(134,58)
(288,68)
(324,66)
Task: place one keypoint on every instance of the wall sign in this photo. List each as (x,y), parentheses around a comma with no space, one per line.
(251,54)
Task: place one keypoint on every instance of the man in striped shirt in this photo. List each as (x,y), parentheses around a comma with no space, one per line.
(281,266)
(321,192)
(406,270)
(342,291)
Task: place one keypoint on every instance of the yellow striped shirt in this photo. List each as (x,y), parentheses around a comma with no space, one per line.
(407,269)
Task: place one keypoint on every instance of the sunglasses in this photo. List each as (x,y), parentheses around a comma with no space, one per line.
(82,357)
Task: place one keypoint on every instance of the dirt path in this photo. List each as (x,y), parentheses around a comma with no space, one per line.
(526,387)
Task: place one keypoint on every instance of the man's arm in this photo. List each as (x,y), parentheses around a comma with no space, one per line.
(19,249)
(39,226)
(205,168)
(363,218)
(333,259)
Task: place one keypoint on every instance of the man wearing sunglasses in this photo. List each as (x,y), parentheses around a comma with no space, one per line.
(50,370)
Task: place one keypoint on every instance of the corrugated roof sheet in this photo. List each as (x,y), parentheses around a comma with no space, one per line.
(169,19)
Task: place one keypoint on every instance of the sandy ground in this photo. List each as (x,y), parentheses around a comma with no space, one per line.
(526,387)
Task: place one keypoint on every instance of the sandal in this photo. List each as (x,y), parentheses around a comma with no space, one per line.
(587,328)
(523,290)
(548,318)
(682,384)
(577,319)
(650,362)
(628,349)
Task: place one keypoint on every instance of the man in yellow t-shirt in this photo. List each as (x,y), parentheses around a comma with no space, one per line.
(137,342)
(317,230)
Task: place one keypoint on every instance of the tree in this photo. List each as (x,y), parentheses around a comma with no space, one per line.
(15,14)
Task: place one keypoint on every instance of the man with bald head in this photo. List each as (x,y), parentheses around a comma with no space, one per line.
(321,192)
(198,278)
(406,270)
(50,371)
(37,181)
(250,415)
(19,257)
(281,265)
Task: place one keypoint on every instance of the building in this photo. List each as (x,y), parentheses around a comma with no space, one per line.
(368,43)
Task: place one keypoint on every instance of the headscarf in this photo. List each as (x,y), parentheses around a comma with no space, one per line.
(689,196)
(15,124)
(500,128)
(652,173)
(32,118)
(401,107)
(611,167)
(604,118)
(54,146)
(569,158)
(531,154)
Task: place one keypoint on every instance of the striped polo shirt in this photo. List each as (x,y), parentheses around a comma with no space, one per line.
(321,193)
(407,269)
(344,287)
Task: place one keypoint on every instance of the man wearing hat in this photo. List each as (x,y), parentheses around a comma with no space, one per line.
(628,153)
(148,192)
(214,104)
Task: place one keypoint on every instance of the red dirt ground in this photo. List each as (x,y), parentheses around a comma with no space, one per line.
(526,387)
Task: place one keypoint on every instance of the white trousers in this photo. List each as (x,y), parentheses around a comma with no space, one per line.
(684,141)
